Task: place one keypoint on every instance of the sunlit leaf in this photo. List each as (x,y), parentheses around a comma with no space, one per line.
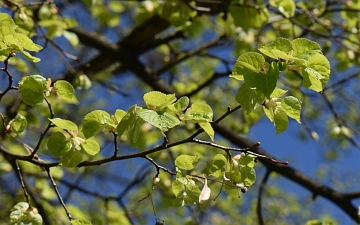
(199,112)
(187,162)
(64,124)
(32,89)
(58,145)
(71,158)
(162,120)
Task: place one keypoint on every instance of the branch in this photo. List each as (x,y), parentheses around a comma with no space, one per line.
(261,191)
(58,193)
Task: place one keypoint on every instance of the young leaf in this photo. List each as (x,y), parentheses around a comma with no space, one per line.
(255,18)
(58,145)
(186,162)
(278,49)
(280,120)
(208,129)
(134,131)
(316,73)
(162,120)
(71,158)
(119,114)
(26,42)
(72,38)
(64,124)
(304,48)
(292,107)
(32,89)
(247,63)
(205,192)
(218,164)
(182,103)
(127,121)
(29,57)
(189,195)
(90,146)
(249,97)
(200,112)
(65,90)
(157,100)
(264,83)
(96,121)
(80,222)
(18,124)
(286,7)
(22,214)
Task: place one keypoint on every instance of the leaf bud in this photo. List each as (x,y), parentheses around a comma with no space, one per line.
(156,180)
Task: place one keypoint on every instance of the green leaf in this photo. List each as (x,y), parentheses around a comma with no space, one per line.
(71,159)
(134,131)
(72,38)
(264,83)
(208,129)
(247,160)
(286,7)
(6,20)
(200,112)
(249,97)
(247,63)
(278,92)
(58,145)
(26,42)
(176,187)
(255,18)
(280,120)
(186,162)
(314,222)
(64,124)
(32,89)
(162,120)
(119,114)
(316,73)
(90,146)
(65,90)
(157,101)
(13,43)
(21,214)
(188,196)
(18,124)
(280,48)
(241,170)
(185,190)
(182,103)
(218,165)
(29,57)
(127,121)
(96,121)
(80,222)
(304,48)
(292,107)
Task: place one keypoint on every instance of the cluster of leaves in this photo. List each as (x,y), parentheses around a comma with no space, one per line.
(12,41)
(301,56)
(237,173)
(165,111)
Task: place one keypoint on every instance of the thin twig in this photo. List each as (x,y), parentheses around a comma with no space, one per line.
(58,193)
(243,150)
(19,175)
(261,192)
